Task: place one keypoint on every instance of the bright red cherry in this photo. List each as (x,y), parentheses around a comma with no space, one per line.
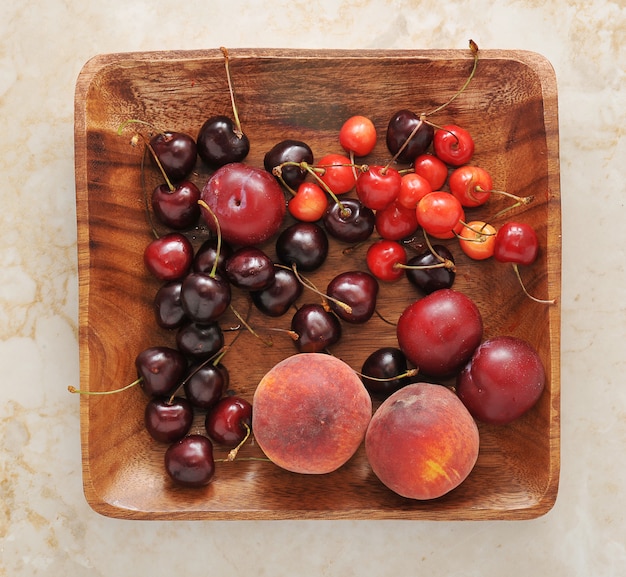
(309,203)
(453,145)
(395,222)
(358,135)
(433,169)
(516,242)
(413,188)
(383,257)
(378,186)
(337,173)
(472,185)
(440,214)
(169,257)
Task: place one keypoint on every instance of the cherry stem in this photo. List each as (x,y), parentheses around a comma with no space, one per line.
(218,246)
(382,318)
(519,200)
(482,234)
(266,342)
(446,263)
(72,389)
(233,452)
(432,249)
(407,373)
(239,132)
(474,48)
(145,195)
(531,297)
(308,284)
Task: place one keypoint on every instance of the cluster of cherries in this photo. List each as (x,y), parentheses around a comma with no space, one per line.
(197,285)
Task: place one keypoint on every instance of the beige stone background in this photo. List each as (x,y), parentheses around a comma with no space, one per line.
(47,528)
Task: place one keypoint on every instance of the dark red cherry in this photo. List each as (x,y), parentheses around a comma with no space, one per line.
(206,384)
(161,369)
(316,328)
(177,154)
(429,280)
(204,297)
(177,208)
(219,142)
(199,340)
(206,254)
(168,420)
(189,461)
(168,309)
(351,221)
(357,289)
(399,129)
(225,422)
(383,365)
(277,299)
(304,244)
(289,151)
(249,268)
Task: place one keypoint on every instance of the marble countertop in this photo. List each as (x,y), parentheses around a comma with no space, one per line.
(46,526)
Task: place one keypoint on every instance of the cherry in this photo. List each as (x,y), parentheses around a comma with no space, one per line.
(289,153)
(206,384)
(383,259)
(433,169)
(472,185)
(278,298)
(503,380)
(221,140)
(247,202)
(204,297)
(358,135)
(358,290)
(407,129)
(453,145)
(412,189)
(160,369)
(168,310)
(168,419)
(303,244)
(177,206)
(309,203)
(378,186)
(176,152)
(207,253)
(439,332)
(478,240)
(395,222)
(169,257)
(385,371)
(249,268)
(440,214)
(516,242)
(351,221)
(199,340)
(337,172)
(228,422)
(189,461)
(316,328)
(431,270)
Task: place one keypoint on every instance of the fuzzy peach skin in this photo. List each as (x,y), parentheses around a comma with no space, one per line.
(310,413)
(422,442)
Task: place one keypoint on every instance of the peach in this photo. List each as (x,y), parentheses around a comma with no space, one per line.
(310,413)
(422,442)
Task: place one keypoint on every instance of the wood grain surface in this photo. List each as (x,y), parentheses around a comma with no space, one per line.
(510,108)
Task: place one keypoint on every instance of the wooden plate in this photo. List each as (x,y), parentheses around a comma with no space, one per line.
(510,108)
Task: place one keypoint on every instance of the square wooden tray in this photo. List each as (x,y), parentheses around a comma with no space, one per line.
(510,108)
